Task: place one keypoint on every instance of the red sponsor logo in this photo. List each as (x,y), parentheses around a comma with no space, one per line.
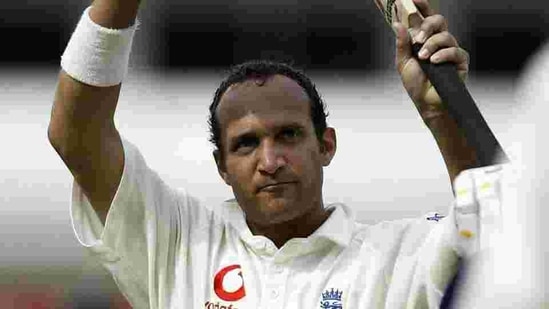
(219,288)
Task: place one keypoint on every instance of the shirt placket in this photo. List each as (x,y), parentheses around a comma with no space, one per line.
(274,289)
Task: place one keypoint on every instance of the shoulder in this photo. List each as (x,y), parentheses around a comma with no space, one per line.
(406,235)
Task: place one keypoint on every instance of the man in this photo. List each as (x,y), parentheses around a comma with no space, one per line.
(276,244)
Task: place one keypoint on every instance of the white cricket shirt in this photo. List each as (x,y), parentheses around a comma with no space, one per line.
(165,250)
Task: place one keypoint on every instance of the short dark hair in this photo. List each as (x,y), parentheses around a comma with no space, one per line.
(263,69)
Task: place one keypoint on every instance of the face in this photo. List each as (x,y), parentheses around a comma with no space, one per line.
(272,157)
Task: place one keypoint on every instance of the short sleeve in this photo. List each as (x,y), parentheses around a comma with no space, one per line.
(146,226)
(473,223)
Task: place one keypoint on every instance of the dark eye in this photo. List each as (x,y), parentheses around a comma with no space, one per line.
(290,133)
(245,143)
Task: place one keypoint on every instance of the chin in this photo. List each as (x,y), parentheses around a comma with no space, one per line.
(280,211)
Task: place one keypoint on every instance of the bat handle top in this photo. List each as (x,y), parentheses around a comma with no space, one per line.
(414,20)
(410,15)
(404,11)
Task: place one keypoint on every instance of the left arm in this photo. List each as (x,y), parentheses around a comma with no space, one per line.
(440,46)
(451,141)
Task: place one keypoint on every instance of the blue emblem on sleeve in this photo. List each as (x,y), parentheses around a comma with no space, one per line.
(436,217)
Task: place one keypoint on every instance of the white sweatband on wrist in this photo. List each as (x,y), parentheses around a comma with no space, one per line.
(96,55)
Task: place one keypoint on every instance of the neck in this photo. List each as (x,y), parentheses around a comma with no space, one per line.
(300,227)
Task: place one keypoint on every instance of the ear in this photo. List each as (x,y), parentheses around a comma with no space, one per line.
(221,166)
(329,146)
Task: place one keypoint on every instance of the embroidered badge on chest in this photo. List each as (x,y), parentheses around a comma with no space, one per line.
(331,299)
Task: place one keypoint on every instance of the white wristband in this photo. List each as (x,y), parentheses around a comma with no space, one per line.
(96,55)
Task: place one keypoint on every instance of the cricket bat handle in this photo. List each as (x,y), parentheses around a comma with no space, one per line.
(463,109)
(455,96)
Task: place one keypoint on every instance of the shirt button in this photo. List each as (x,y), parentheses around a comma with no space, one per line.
(277,269)
(274,294)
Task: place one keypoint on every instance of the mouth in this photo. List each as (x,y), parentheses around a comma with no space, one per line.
(276,186)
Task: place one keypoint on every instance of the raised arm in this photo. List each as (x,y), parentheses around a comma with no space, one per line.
(82,129)
(440,46)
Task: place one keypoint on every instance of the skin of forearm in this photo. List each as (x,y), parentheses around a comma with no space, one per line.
(452,143)
(114,14)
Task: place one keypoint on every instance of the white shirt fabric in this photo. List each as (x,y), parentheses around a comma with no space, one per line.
(513,269)
(165,250)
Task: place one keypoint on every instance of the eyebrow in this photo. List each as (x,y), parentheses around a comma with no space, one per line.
(250,133)
(292,125)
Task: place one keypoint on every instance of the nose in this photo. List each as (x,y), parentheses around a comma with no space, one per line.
(271,157)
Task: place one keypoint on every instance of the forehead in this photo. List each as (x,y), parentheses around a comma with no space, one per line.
(278,99)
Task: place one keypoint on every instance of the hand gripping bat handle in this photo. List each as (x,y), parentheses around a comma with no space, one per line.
(463,110)
(454,94)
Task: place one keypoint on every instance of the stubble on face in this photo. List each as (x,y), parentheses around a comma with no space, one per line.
(262,113)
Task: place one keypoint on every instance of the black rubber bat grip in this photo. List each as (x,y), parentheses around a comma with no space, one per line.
(463,110)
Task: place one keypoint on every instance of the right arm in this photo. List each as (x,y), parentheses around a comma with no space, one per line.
(82,129)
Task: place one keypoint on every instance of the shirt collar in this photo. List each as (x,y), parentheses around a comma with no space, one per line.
(338,228)
(339,225)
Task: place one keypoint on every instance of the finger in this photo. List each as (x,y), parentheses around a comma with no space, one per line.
(403,46)
(430,25)
(462,75)
(436,42)
(424,7)
(454,55)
